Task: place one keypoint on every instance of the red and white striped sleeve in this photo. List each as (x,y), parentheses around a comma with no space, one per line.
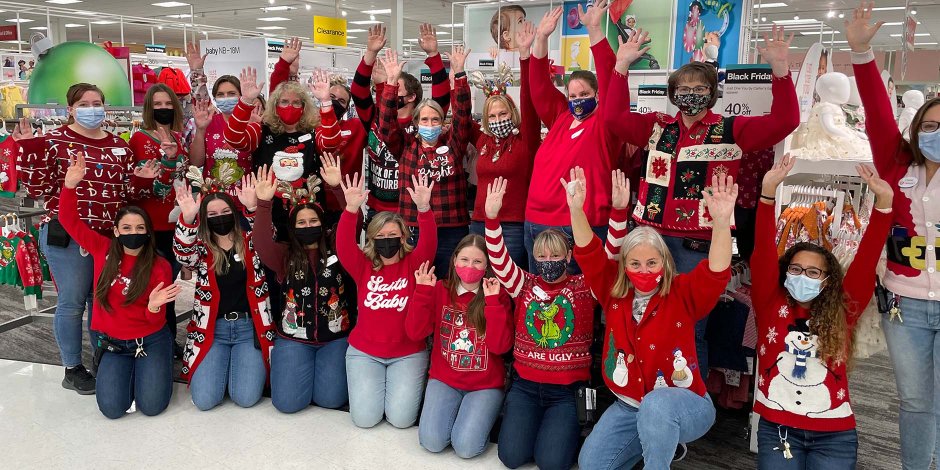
(509,274)
(328,132)
(239,132)
(616,232)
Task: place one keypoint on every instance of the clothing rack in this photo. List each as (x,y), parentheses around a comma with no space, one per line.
(785,195)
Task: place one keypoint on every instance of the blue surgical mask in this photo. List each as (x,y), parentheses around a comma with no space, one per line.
(226,105)
(582,107)
(90,118)
(429,133)
(929,145)
(802,288)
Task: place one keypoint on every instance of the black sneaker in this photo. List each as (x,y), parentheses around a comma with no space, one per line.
(80,380)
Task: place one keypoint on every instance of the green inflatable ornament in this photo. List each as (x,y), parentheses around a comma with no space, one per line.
(74,62)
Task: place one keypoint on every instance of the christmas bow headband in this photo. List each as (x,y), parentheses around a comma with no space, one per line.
(494,85)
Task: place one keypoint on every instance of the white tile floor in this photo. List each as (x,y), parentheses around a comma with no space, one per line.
(43,426)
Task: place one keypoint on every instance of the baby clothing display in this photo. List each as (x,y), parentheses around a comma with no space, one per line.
(913,100)
(828,135)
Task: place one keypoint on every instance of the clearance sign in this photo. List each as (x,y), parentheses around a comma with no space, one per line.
(329,31)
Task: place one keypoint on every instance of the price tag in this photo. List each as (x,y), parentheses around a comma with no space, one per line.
(747,89)
(652,99)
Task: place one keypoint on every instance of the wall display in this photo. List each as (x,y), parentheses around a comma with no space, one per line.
(575,43)
(746,89)
(815,64)
(17,66)
(708,31)
(78,61)
(230,56)
(491,33)
(652,16)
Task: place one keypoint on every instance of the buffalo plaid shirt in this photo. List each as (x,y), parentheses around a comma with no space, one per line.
(443,163)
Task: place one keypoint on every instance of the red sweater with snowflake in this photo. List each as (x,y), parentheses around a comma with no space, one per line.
(794,386)
(462,357)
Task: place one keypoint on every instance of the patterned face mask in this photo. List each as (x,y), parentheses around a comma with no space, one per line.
(502,129)
(692,104)
(551,270)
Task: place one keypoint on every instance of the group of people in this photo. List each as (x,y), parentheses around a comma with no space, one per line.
(301,290)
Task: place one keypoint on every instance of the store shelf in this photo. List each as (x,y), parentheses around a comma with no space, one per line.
(826,167)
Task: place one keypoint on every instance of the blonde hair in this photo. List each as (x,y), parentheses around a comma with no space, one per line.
(308,121)
(378,221)
(552,240)
(637,237)
(508,103)
(428,103)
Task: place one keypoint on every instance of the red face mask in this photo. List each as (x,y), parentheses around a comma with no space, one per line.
(290,115)
(644,282)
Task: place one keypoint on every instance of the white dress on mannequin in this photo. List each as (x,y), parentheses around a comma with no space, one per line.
(913,100)
(828,136)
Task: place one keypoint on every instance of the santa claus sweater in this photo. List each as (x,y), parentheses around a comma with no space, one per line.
(383,294)
(121,321)
(794,386)
(554,321)
(462,356)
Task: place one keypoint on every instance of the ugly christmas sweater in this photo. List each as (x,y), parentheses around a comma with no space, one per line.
(159,205)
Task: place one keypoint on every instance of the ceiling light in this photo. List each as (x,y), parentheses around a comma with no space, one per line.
(913,12)
(763,19)
(352,37)
(916,34)
(279,8)
(451,25)
(795,21)
(386,11)
(839,42)
(343,13)
(887,8)
(442,32)
(20,20)
(38,28)
(103,22)
(271,2)
(74,25)
(307,6)
(160,27)
(270,27)
(831,14)
(181,15)
(817,33)
(411,40)
(170,4)
(365,22)
(756,20)
(772,5)
(86,13)
(796,17)
(356,30)
(925,44)
(841,15)
(372,17)
(274,18)
(63,2)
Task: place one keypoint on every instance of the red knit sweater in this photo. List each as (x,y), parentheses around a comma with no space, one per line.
(819,399)
(461,356)
(158,206)
(121,321)
(345,139)
(384,293)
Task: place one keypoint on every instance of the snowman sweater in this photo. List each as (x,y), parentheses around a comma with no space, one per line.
(462,356)
(794,386)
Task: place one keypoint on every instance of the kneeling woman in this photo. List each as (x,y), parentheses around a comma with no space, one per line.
(230,336)
(471,321)
(132,287)
(649,340)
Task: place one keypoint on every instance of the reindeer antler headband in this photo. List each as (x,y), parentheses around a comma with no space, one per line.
(297,197)
(494,85)
(206,185)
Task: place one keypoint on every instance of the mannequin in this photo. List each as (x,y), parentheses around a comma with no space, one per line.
(828,135)
(854,112)
(913,100)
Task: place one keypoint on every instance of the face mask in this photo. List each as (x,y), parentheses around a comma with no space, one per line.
(929,145)
(429,133)
(551,270)
(164,116)
(226,105)
(290,115)
(691,104)
(308,235)
(89,118)
(222,224)
(401,101)
(387,247)
(644,282)
(582,107)
(339,109)
(802,288)
(469,274)
(133,241)
(502,129)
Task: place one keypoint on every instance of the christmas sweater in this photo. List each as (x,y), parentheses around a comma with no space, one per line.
(121,321)
(224,163)
(384,293)
(193,254)
(159,205)
(554,321)
(794,386)
(461,356)
(108,184)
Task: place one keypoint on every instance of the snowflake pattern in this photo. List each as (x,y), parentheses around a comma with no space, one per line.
(216,136)
(269,139)
(652,347)
(763,350)
(841,394)
(323,291)
(678,324)
(6,152)
(327,272)
(616,306)
(760,381)
(772,335)
(784,311)
(305,291)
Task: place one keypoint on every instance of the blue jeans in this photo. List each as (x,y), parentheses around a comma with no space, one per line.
(531,231)
(540,423)
(148,380)
(914,346)
(686,260)
(458,418)
(447,240)
(302,374)
(232,362)
(812,450)
(389,386)
(74,276)
(513,237)
(666,417)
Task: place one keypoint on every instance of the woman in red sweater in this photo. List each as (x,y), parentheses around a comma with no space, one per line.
(385,368)
(806,312)
(470,319)
(132,288)
(649,339)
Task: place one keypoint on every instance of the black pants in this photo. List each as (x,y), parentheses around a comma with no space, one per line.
(164,243)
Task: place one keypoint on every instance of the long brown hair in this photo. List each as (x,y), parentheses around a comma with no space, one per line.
(219,260)
(112,265)
(475,310)
(297,259)
(76,92)
(828,321)
(149,122)
(913,147)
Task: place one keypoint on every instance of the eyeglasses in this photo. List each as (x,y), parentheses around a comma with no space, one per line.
(285,103)
(699,90)
(812,273)
(929,126)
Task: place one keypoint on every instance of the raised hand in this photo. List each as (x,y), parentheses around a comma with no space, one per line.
(721,199)
(621,189)
(495,192)
(491,286)
(421,192)
(195,60)
(424,275)
(524,38)
(884,193)
(858,30)
(591,18)
(257,114)
(76,172)
(549,23)
(203,112)
(319,87)
(631,50)
(354,189)
(330,170)
(427,39)
(250,86)
(246,193)
(265,184)
(189,207)
(776,50)
(392,67)
(377,39)
(148,170)
(167,143)
(24,131)
(776,175)
(575,188)
(458,57)
(291,50)
(161,296)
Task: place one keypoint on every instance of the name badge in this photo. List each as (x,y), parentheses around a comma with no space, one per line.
(577,134)
(303,138)
(331,260)
(908,182)
(540,293)
(120,152)
(442,150)
(345,133)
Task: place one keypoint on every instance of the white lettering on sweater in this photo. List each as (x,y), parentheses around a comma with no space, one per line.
(382,296)
(557,357)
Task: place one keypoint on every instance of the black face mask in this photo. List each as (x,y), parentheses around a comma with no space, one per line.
(339,109)
(401,101)
(222,224)
(387,247)
(133,241)
(164,116)
(308,235)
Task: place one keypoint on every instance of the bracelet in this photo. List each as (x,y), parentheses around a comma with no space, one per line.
(153,311)
(326,104)
(768,198)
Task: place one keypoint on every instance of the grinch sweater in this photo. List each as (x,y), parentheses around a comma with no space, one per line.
(795,387)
